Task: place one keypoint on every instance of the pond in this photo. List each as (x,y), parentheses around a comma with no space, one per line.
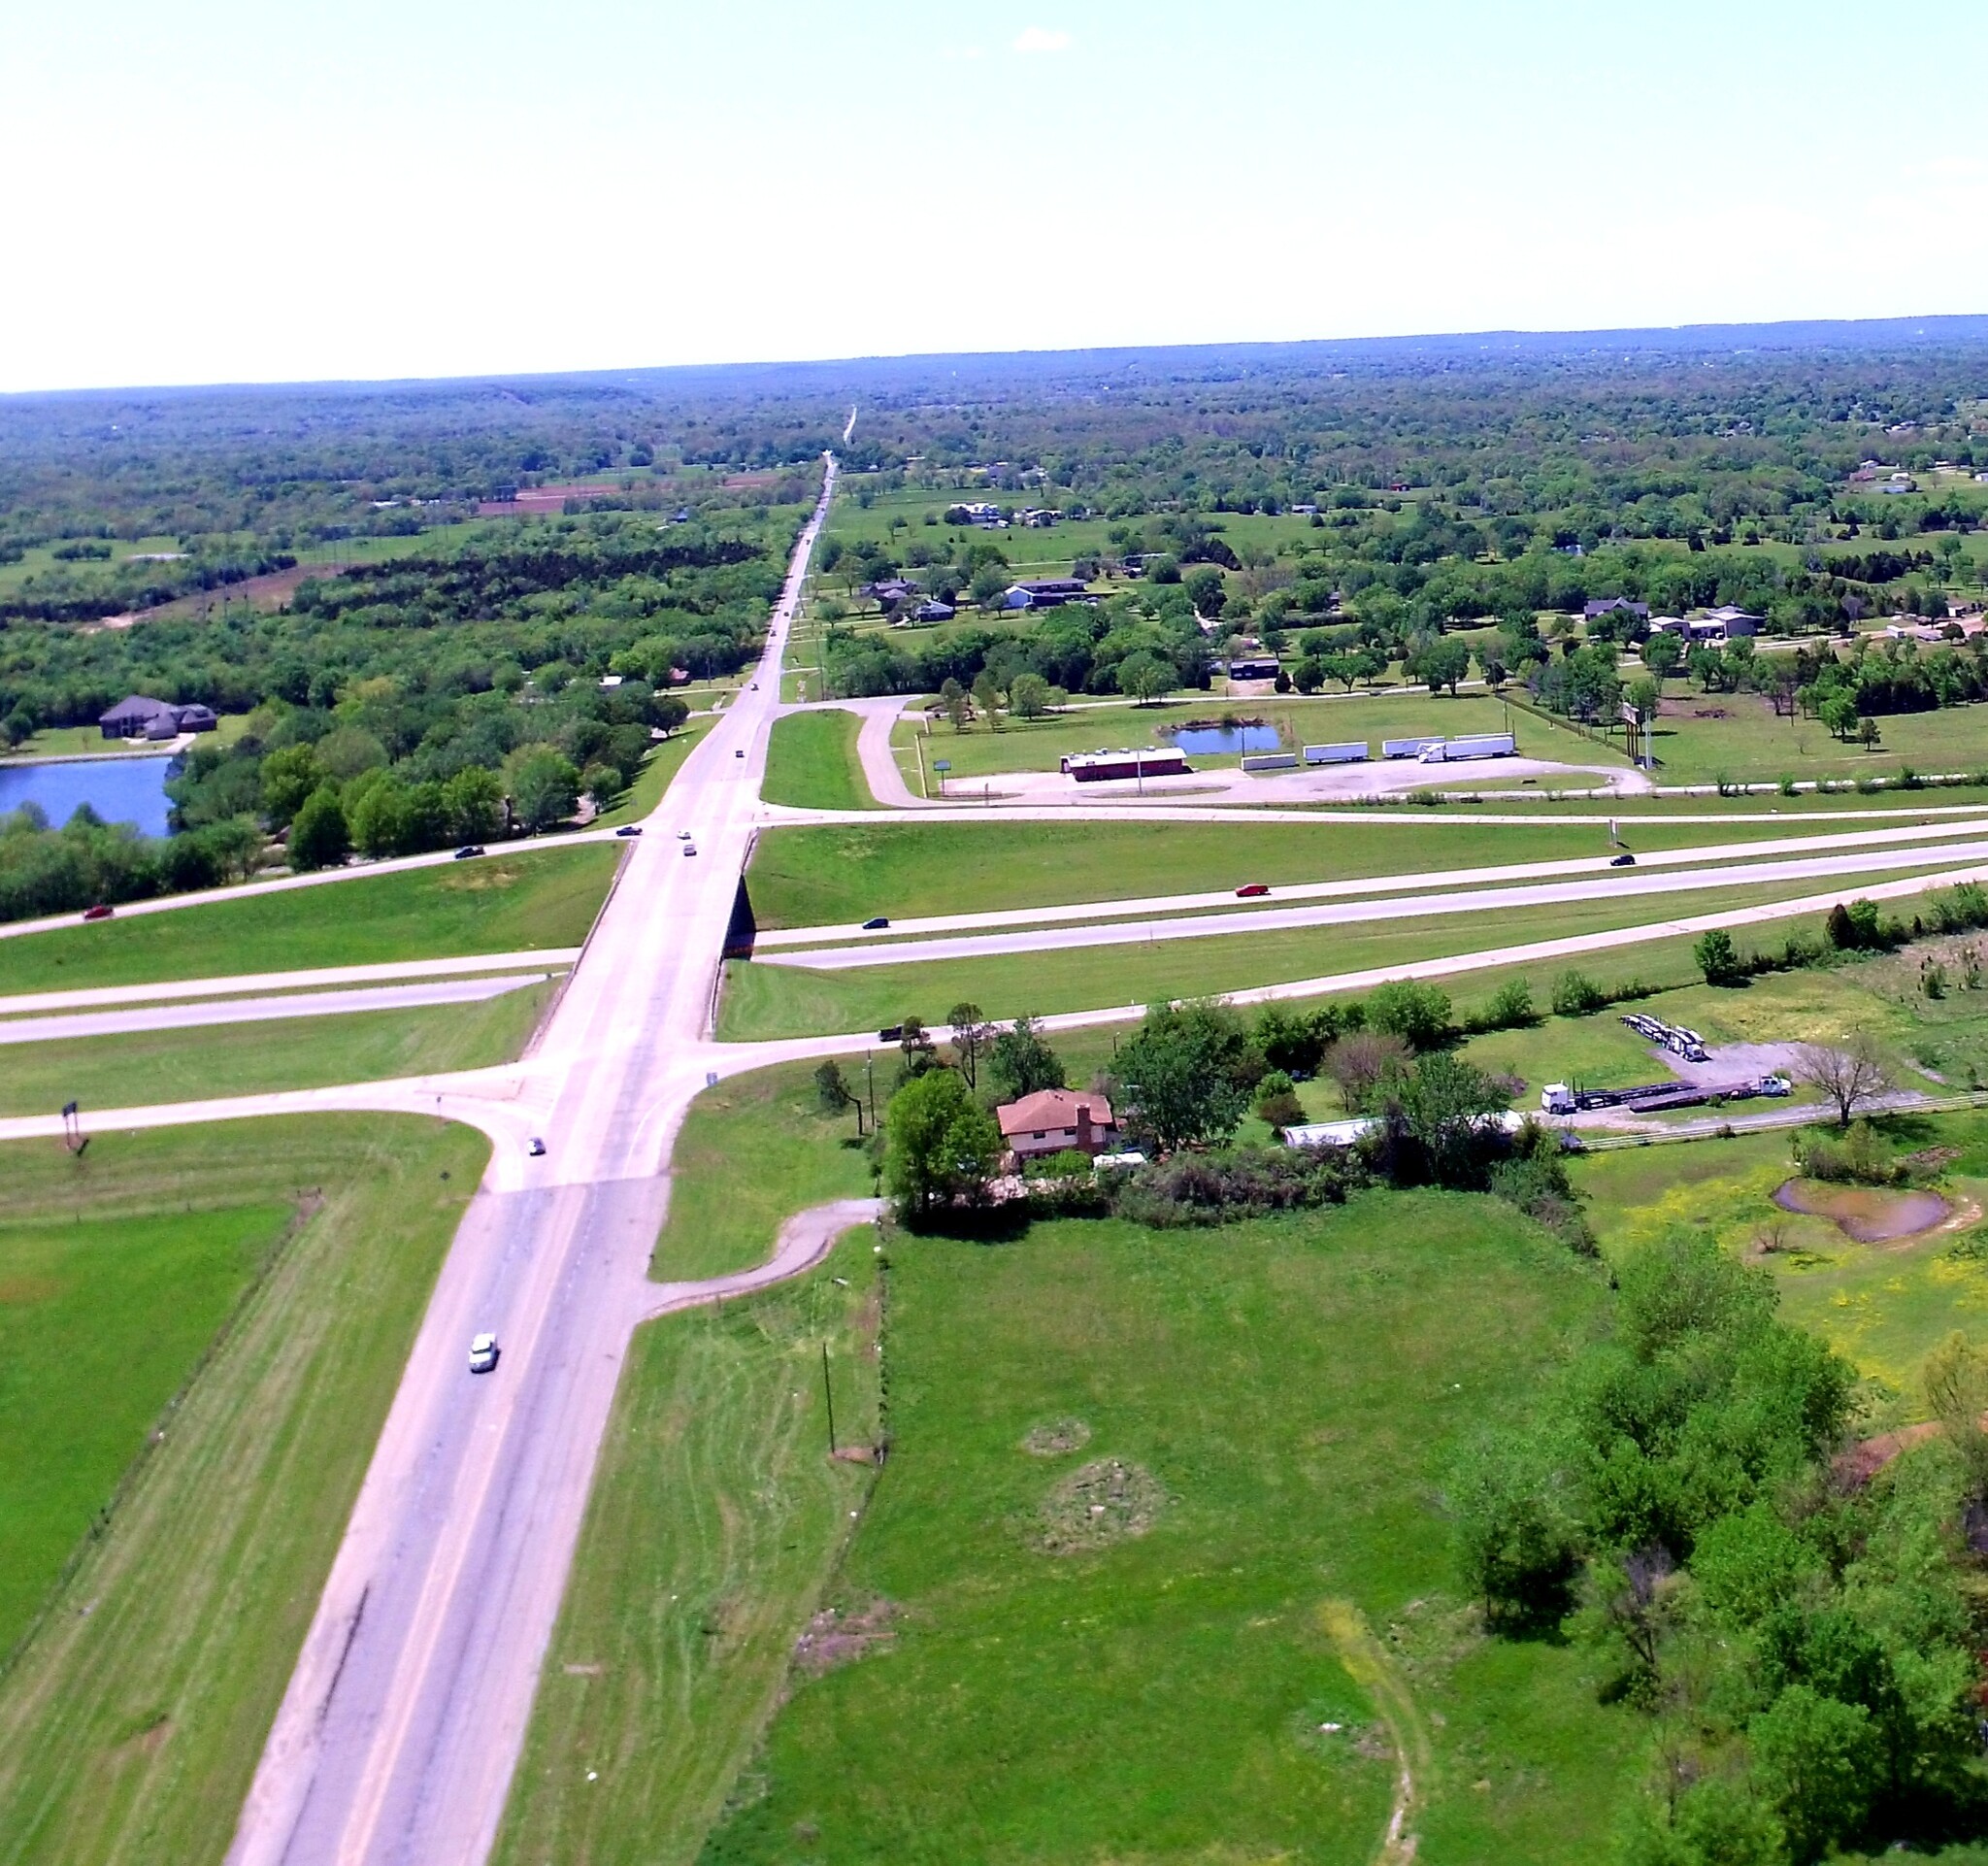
(1224,741)
(126,789)
(1872,1215)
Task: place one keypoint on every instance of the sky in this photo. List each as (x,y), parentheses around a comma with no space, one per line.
(227,192)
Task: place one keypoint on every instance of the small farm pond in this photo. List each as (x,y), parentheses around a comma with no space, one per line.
(126,789)
(1872,1215)
(1225,741)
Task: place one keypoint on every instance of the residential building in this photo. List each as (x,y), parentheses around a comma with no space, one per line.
(1614,605)
(1045,592)
(1058,1121)
(141,718)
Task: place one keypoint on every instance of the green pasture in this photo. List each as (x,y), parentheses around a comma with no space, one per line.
(40,560)
(811,763)
(1701,738)
(1885,1306)
(1288,1396)
(510,901)
(724,1213)
(764,1000)
(714,1524)
(258,1059)
(208,1327)
(844,872)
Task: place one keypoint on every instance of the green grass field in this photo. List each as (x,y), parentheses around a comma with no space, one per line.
(512,902)
(715,1520)
(253,1059)
(762,1000)
(812,764)
(131,1721)
(1738,737)
(723,1217)
(1289,1395)
(842,874)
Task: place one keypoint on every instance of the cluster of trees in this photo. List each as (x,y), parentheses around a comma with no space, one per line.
(1872,679)
(88,862)
(1804,1651)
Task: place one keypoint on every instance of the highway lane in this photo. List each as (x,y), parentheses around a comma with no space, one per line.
(132,1020)
(400,1729)
(1720,853)
(1619,884)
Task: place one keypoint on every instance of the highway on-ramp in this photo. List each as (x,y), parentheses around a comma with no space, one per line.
(404,1718)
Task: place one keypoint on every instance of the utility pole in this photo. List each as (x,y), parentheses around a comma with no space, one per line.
(828,1393)
(870,1076)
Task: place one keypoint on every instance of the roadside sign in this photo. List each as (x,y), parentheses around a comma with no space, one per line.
(942,764)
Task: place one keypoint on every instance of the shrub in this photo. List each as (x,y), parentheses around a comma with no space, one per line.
(1576,995)
(1511,1008)
(1418,1014)
(1857,1157)
(1212,1189)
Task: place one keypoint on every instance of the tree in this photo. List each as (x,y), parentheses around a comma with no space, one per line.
(1176,1085)
(473,799)
(289,776)
(1028,696)
(382,822)
(1360,1062)
(318,835)
(667,713)
(1868,733)
(990,585)
(1445,1108)
(1956,1382)
(1019,1062)
(1418,1014)
(602,782)
(1277,1101)
(940,1146)
(1576,995)
(1839,712)
(1518,1541)
(1146,676)
(1717,958)
(1817,1761)
(1441,662)
(542,786)
(1852,1076)
(970,1036)
(1510,1007)
(986,695)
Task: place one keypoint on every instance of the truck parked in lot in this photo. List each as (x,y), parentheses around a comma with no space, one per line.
(1652,1098)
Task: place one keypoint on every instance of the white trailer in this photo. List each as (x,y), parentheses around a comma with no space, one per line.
(1353,752)
(1481,745)
(1272,762)
(1405,747)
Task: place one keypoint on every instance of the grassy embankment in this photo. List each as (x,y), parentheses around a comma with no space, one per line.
(514,901)
(250,1291)
(841,874)
(764,1000)
(661,765)
(811,763)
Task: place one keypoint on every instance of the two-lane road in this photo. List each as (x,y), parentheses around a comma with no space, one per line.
(402,1721)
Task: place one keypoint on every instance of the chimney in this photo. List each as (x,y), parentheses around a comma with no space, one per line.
(1083,1126)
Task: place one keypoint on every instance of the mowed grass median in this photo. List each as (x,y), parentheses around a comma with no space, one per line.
(132,1717)
(516,900)
(811,763)
(764,1000)
(1268,1411)
(258,1059)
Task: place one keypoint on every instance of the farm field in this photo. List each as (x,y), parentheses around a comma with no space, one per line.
(131,1721)
(255,1058)
(508,902)
(812,764)
(842,874)
(714,1524)
(762,1000)
(1285,1397)
(1748,743)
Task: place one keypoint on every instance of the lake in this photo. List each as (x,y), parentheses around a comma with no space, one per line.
(1224,741)
(127,789)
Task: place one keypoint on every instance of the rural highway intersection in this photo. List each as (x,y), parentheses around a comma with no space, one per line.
(398,1736)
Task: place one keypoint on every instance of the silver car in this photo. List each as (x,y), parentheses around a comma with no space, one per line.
(483,1353)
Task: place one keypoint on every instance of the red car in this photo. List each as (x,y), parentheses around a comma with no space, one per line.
(98,913)
(1253,891)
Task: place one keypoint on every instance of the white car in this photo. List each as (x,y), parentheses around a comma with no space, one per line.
(483,1353)
(682,835)
(691,849)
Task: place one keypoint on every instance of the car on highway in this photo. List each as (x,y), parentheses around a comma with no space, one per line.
(740,754)
(483,1353)
(1252,891)
(536,1148)
(682,835)
(467,850)
(691,849)
(877,922)
(98,913)
(629,829)
(1623,860)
